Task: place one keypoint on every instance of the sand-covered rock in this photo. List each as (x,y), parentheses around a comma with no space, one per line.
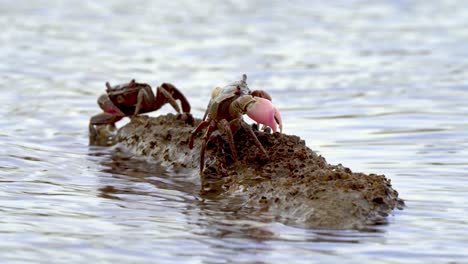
(293,183)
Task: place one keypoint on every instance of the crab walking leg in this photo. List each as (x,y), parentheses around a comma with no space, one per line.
(145,98)
(199,128)
(224,125)
(207,111)
(178,95)
(252,134)
(206,138)
(168,99)
(238,122)
(215,93)
(168,93)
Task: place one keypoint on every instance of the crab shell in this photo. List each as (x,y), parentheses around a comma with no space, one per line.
(125,96)
(234,89)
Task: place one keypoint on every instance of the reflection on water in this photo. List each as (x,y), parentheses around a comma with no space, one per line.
(378,86)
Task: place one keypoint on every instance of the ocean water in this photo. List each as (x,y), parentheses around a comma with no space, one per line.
(379,86)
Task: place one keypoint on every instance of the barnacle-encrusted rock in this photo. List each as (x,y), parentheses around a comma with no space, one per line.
(293,183)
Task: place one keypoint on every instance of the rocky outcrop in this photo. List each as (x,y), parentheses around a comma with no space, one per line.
(292,183)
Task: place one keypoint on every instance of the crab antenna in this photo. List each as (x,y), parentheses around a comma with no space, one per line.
(108,86)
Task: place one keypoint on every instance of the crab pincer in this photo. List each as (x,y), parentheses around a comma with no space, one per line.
(263,111)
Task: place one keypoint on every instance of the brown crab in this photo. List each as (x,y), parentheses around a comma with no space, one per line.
(225,110)
(131,99)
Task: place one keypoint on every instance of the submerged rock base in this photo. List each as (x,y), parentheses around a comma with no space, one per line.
(292,183)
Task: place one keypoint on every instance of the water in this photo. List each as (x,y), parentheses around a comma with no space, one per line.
(379,86)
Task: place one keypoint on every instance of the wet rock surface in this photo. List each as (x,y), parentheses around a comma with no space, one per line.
(294,184)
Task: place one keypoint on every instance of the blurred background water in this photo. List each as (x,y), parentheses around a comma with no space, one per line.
(379,86)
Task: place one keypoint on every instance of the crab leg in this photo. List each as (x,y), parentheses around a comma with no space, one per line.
(200,127)
(146,96)
(215,93)
(207,111)
(238,122)
(224,125)
(206,138)
(252,134)
(171,93)
(167,99)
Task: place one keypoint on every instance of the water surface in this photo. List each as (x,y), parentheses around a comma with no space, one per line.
(379,86)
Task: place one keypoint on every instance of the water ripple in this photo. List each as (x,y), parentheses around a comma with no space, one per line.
(378,86)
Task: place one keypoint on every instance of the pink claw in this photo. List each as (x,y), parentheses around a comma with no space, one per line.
(264,112)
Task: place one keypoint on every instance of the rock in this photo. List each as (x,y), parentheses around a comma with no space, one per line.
(294,184)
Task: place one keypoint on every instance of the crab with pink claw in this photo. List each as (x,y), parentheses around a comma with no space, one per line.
(131,99)
(225,111)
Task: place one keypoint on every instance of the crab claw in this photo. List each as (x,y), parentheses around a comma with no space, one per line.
(264,112)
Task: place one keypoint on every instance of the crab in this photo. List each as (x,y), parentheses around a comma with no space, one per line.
(131,99)
(225,111)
